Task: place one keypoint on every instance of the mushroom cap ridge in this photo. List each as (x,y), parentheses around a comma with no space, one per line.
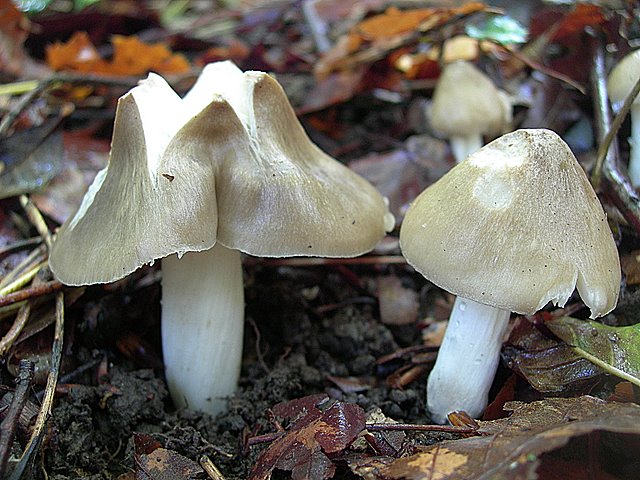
(285,196)
(515,226)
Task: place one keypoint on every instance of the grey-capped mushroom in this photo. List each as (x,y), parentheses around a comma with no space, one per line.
(619,84)
(467,106)
(514,227)
(196,181)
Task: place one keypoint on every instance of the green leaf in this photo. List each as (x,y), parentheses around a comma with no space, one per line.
(614,349)
(499,28)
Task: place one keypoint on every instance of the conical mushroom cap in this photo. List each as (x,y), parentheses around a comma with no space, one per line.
(229,163)
(515,226)
(466,102)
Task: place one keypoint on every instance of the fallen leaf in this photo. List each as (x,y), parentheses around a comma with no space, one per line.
(518,446)
(84,155)
(373,38)
(163,464)
(313,434)
(548,365)
(616,350)
(131,56)
(30,158)
(582,16)
(156,463)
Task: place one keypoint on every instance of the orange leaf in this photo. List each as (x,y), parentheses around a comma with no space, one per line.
(584,15)
(78,54)
(130,57)
(392,22)
(134,57)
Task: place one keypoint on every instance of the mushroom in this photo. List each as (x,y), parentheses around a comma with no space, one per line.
(196,181)
(621,81)
(466,106)
(515,226)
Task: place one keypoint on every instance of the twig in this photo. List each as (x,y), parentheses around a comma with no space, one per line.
(16,328)
(20,106)
(33,259)
(45,409)
(35,217)
(377,427)
(259,353)
(620,190)
(19,245)
(21,281)
(77,78)
(314,261)
(613,131)
(209,467)
(317,25)
(421,428)
(8,426)
(31,292)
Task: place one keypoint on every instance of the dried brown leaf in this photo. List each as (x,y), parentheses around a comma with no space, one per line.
(548,365)
(313,434)
(517,445)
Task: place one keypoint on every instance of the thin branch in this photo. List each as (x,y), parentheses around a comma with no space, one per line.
(36,219)
(8,426)
(52,379)
(16,328)
(31,292)
(603,149)
(621,192)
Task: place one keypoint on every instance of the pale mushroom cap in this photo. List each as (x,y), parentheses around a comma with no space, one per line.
(230,163)
(466,102)
(623,77)
(515,226)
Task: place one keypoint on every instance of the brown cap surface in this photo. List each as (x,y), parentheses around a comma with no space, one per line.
(229,163)
(515,226)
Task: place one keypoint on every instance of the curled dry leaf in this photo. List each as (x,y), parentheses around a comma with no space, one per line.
(519,446)
(548,365)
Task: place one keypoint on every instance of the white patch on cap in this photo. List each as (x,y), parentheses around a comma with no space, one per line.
(497,158)
(493,190)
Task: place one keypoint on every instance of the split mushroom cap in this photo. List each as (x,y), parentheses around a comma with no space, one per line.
(623,77)
(466,102)
(515,226)
(231,165)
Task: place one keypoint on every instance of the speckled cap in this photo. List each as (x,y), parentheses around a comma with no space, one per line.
(515,226)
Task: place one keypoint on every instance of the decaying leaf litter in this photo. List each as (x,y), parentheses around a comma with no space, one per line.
(337,351)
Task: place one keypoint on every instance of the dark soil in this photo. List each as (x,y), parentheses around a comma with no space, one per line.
(290,350)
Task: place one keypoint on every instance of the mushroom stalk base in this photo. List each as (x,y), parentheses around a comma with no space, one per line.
(202,327)
(634,144)
(462,147)
(467,360)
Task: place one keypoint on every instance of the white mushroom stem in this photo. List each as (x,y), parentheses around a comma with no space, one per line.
(467,360)
(202,327)
(462,147)
(634,143)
